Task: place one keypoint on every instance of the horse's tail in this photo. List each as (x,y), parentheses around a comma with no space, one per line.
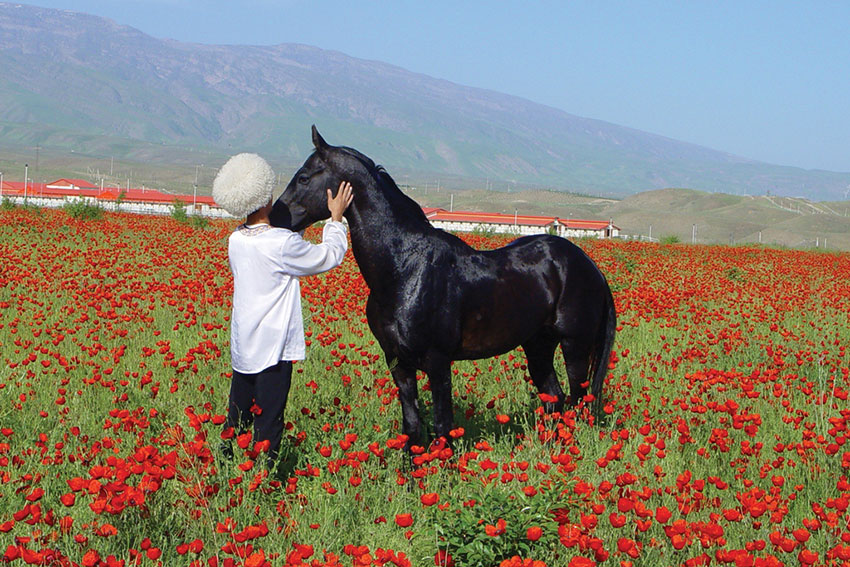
(602,346)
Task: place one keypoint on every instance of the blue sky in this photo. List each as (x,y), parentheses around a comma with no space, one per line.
(764,80)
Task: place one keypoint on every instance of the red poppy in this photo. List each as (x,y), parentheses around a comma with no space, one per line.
(443,559)
(429,499)
(495,530)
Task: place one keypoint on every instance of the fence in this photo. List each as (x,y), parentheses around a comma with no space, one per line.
(142,208)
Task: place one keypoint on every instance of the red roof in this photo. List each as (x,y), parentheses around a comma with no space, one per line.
(438,214)
(17,188)
(11,187)
(586,224)
(143,195)
(151,196)
(430,211)
(63,191)
(490,218)
(81,183)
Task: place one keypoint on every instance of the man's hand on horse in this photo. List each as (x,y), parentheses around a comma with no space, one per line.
(338,204)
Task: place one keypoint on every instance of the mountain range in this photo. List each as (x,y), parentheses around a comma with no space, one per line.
(84,83)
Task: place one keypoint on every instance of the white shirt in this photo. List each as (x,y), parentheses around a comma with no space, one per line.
(266,325)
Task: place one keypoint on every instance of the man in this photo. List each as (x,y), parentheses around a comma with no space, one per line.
(266,328)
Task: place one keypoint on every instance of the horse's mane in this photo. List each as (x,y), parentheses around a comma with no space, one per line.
(398,200)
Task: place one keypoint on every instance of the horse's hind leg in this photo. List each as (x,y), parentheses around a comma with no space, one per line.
(408,394)
(577,361)
(440,377)
(540,352)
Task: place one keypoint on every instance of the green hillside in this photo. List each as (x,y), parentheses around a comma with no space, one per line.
(719,218)
(74,82)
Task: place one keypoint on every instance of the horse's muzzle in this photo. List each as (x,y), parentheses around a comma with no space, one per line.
(280,216)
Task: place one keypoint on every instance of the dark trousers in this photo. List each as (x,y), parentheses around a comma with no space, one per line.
(268,389)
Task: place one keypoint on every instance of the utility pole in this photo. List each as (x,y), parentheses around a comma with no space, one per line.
(195,188)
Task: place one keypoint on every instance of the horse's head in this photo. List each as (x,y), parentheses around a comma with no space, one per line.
(305,200)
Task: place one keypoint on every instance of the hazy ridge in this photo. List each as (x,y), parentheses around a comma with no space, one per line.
(76,81)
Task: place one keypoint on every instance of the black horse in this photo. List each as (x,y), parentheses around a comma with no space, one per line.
(434,299)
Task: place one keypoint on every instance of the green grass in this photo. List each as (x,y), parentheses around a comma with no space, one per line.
(130,314)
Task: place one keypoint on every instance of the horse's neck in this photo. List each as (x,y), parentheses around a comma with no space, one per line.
(379,233)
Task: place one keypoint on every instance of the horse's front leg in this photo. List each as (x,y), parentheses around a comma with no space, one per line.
(440,377)
(408,395)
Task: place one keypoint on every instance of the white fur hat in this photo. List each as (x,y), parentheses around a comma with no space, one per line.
(244,184)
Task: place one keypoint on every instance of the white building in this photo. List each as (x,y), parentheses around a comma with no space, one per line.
(521,225)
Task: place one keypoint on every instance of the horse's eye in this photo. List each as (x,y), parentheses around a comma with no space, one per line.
(303,179)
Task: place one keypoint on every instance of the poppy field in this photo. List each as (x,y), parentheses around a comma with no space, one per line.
(721,437)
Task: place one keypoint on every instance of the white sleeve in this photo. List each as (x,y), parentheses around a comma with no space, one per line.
(302,258)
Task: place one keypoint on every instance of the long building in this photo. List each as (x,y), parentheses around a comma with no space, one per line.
(521,225)
(132,200)
(152,201)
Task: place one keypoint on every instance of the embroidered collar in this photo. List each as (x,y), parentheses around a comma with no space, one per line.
(253,230)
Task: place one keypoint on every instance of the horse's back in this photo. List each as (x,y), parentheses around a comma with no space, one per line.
(583,291)
(511,294)
(547,251)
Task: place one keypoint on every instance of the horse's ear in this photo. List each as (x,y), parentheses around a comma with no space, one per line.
(318,142)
